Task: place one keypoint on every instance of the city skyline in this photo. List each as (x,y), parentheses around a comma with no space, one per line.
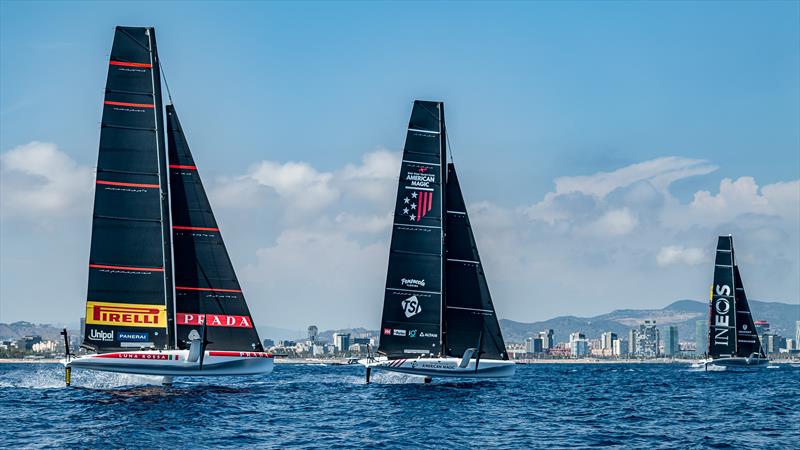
(613,157)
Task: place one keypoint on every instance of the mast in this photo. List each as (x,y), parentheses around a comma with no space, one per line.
(163,182)
(442,201)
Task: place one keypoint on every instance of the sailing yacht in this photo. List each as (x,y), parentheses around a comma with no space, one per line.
(163,297)
(438,315)
(732,338)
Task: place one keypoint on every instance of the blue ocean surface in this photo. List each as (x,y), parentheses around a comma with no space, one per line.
(316,406)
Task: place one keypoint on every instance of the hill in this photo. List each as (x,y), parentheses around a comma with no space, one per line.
(682,313)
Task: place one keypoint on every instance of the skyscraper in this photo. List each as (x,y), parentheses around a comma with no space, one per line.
(701,336)
(670,339)
(547,339)
(607,340)
(312,334)
(646,339)
(341,341)
(797,332)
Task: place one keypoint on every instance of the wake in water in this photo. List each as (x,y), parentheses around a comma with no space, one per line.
(51,376)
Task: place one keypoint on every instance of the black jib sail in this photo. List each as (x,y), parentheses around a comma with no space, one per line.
(722,307)
(207,293)
(470,320)
(129,290)
(747,341)
(412,308)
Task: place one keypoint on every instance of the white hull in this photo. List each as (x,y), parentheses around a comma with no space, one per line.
(174,363)
(736,362)
(444,367)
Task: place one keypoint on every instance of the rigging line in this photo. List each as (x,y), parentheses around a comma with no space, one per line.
(449,147)
(164,76)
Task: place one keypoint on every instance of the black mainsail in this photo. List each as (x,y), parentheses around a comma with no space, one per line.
(731,329)
(130,290)
(437,300)
(470,319)
(207,293)
(412,309)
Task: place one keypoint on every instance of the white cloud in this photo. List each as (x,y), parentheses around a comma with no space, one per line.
(579,194)
(303,188)
(677,254)
(317,277)
(40,181)
(297,182)
(743,196)
(660,172)
(615,222)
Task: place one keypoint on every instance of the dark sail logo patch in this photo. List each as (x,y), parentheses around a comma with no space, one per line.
(417,205)
(411,306)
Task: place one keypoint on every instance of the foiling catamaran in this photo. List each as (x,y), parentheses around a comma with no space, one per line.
(438,316)
(163,297)
(732,337)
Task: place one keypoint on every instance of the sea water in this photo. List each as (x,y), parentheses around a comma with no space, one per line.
(304,406)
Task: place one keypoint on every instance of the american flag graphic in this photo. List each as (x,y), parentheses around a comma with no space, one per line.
(417,204)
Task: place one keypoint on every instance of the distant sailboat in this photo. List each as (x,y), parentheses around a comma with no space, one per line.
(732,337)
(438,315)
(143,316)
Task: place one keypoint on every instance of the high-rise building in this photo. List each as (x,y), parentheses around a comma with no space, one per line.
(268,343)
(547,339)
(607,340)
(670,340)
(772,343)
(312,334)
(341,341)
(620,347)
(797,332)
(701,336)
(632,341)
(646,339)
(578,345)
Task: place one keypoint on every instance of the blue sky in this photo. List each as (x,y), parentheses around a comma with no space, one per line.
(534,92)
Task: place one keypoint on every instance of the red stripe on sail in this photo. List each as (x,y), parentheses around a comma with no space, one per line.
(132,105)
(178,227)
(118,183)
(130,64)
(420,205)
(430,201)
(105,266)
(181,166)
(187,288)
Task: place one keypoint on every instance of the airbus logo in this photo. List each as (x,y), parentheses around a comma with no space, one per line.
(411,306)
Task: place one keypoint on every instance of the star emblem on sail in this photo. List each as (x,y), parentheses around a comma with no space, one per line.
(421,206)
(411,306)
